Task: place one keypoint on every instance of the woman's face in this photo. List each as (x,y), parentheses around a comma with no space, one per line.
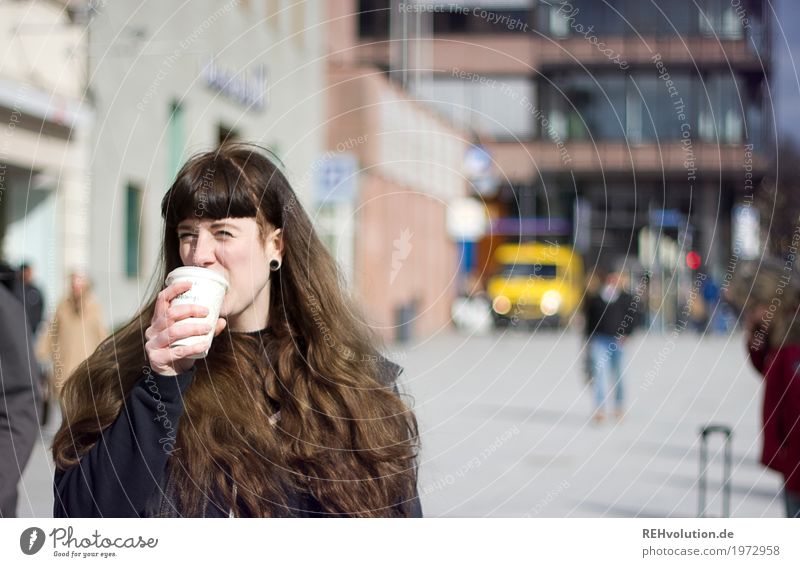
(233,248)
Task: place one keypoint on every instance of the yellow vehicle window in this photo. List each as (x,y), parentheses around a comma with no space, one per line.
(543,271)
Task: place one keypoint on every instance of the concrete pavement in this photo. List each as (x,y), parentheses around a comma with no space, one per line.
(506,429)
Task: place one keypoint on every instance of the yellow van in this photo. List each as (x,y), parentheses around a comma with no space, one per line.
(537,281)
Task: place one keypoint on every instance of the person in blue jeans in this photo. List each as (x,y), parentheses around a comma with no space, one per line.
(606,359)
(611,316)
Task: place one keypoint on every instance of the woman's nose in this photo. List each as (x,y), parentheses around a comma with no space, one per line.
(204,250)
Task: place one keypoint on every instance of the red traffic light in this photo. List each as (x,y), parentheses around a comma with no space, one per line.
(693,260)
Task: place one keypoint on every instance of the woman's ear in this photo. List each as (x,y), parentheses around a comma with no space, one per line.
(277,240)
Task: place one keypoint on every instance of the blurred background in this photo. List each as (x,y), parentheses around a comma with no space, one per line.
(473,166)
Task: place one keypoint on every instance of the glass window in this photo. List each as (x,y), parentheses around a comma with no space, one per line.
(757,31)
(133,232)
(652,111)
(502,107)
(556,22)
(460,20)
(642,108)
(720,119)
(373,18)
(590,17)
(642,91)
(581,106)
(450,22)
(568,103)
(175,137)
(543,271)
(680,17)
(719,18)
(643,17)
(756,96)
(609,112)
(669,122)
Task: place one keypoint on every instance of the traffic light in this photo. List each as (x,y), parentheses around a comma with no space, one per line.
(693,260)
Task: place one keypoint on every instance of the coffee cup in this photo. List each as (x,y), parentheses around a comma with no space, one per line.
(208,289)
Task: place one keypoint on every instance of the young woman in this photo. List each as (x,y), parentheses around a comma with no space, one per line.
(293,412)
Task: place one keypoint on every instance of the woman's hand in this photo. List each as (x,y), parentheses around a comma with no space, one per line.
(165,330)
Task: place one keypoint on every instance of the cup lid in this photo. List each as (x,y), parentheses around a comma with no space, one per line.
(196,272)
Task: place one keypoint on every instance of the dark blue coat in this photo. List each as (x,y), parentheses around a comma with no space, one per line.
(125,473)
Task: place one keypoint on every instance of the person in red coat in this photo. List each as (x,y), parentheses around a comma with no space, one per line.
(774,348)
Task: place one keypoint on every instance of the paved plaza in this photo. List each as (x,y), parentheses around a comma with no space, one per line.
(506,430)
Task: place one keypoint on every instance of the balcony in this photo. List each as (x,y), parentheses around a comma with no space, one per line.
(702,52)
(525,53)
(524,161)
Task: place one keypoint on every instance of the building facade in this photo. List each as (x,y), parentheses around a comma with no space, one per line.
(399,171)
(168,81)
(45,128)
(616,126)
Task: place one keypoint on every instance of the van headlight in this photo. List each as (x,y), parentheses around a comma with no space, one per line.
(501,305)
(551,301)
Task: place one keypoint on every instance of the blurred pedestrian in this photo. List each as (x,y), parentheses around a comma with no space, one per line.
(30,296)
(76,330)
(19,394)
(32,300)
(471,310)
(774,349)
(611,317)
(697,312)
(712,294)
(592,289)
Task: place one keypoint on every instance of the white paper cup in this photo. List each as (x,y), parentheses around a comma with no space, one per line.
(208,289)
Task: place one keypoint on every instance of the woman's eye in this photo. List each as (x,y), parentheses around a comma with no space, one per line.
(224,233)
(185,235)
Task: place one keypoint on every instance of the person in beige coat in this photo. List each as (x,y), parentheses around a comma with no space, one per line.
(76,330)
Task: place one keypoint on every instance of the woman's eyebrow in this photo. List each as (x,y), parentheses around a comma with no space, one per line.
(185,225)
(223,223)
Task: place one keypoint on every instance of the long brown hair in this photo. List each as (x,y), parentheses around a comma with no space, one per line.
(343,437)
